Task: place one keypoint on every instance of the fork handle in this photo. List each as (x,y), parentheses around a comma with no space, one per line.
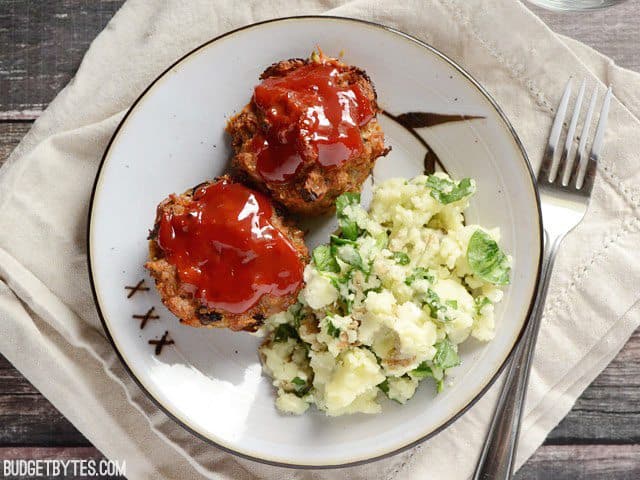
(497,459)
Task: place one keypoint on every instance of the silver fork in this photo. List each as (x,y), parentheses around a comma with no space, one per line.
(565,186)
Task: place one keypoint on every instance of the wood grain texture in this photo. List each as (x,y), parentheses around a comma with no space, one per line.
(42,43)
(38,453)
(31,420)
(10,135)
(583,462)
(11,382)
(609,409)
(27,418)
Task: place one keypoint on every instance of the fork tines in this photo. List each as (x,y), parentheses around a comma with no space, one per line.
(574,172)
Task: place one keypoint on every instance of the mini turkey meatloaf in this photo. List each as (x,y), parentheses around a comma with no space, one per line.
(221,256)
(309,134)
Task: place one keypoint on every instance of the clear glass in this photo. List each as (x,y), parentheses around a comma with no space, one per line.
(575,4)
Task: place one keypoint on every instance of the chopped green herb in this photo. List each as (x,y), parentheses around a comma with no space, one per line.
(298,381)
(382,240)
(324,260)
(301,387)
(447,191)
(377,289)
(332,330)
(452,303)
(446,355)
(432,300)
(346,199)
(284,332)
(486,259)
(481,302)
(422,371)
(335,281)
(335,240)
(384,386)
(345,300)
(350,255)
(419,274)
(348,305)
(401,258)
(340,281)
(348,228)
(296,312)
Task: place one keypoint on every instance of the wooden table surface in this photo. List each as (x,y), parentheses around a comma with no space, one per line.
(41,45)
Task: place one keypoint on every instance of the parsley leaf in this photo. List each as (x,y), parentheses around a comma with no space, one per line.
(297,313)
(377,289)
(332,329)
(346,199)
(446,355)
(301,387)
(384,386)
(348,227)
(448,191)
(481,302)
(422,371)
(486,259)
(338,241)
(419,274)
(324,259)
(284,332)
(401,258)
(432,300)
(382,240)
(350,255)
(451,303)
(348,305)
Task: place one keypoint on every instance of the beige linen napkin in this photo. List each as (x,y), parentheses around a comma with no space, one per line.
(49,328)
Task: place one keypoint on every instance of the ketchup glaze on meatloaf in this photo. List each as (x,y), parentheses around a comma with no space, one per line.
(222,257)
(309,133)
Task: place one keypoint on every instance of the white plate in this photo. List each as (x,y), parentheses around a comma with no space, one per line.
(210,381)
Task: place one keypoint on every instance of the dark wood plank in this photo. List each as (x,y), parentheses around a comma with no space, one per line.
(66,456)
(43,43)
(12,382)
(609,409)
(583,462)
(58,453)
(10,135)
(601,415)
(29,419)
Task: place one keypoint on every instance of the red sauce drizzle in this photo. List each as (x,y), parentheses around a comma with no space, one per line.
(309,117)
(227,252)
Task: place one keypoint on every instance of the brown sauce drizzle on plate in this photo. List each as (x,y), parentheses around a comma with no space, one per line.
(413,120)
